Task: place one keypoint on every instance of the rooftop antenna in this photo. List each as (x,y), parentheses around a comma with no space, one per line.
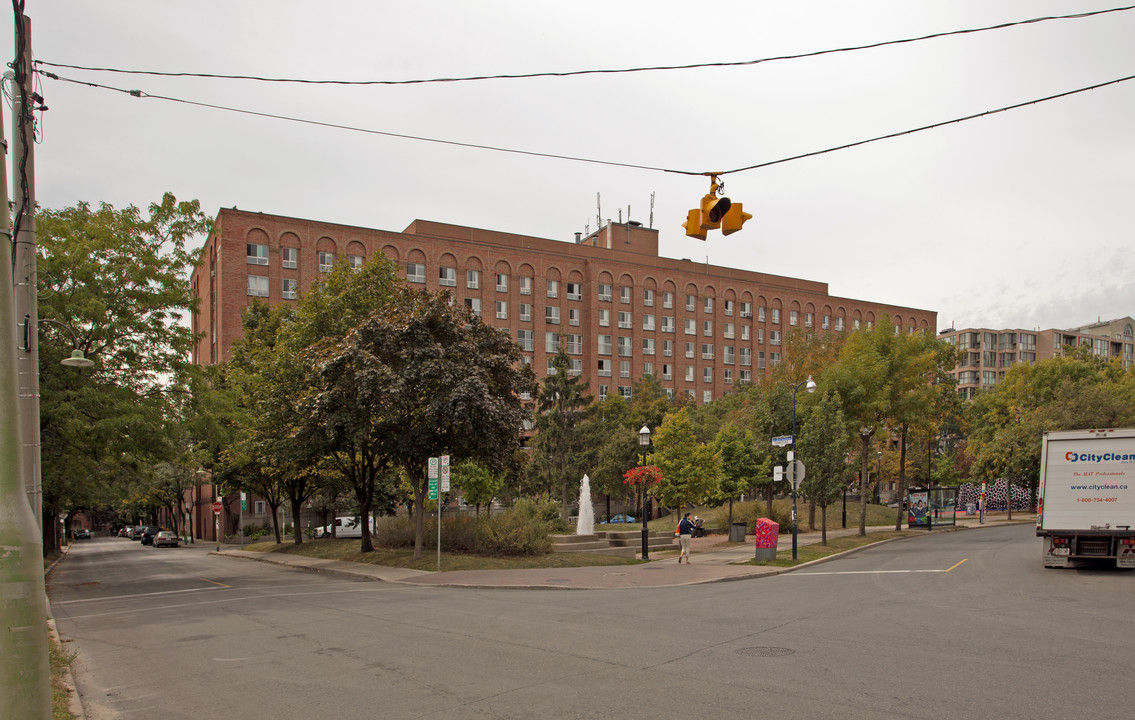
(620,216)
(598,212)
(652,211)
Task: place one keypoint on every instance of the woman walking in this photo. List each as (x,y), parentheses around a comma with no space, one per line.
(685,532)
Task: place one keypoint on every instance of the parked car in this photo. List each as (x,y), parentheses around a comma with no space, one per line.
(148,533)
(166,538)
(82,534)
(619,519)
(122,532)
(345,527)
(138,530)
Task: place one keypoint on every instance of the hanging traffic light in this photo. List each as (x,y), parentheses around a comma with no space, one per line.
(715,213)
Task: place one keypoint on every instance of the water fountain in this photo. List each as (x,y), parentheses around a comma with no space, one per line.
(585,523)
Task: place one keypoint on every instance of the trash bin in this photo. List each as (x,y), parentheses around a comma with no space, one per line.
(768,533)
(737,532)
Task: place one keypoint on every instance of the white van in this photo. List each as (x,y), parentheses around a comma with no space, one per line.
(345,527)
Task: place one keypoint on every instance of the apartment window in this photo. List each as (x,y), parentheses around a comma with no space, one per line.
(326,261)
(760,314)
(624,368)
(257,253)
(648,346)
(289,290)
(729,308)
(727,353)
(707,328)
(573,316)
(625,392)
(839,324)
(574,291)
(706,397)
(260,507)
(773,359)
(744,332)
(689,373)
(776,316)
(603,391)
(526,338)
(690,350)
(525,312)
(648,368)
(447,276)
(625,320)
(604,344)
(575,366)
(551,342)
(747,356)
(502,310)
(745,377)
(625,348)
(647,322)
(552,315)
(707,305)
(574,345)
(760,359)
(415,272)
(257,286)
(807,320)
(792,318)
(355,262)
(553,288)
(474,304)
(473,279)
(691,302)
(855,324)
(604,368)
(668,348)
(727,331)
(691,394)
(746,309)
(727,376)
(773,337)
(825,322)
(667,299)
(289,257)
(691,326)
(648,298)
(604,292)
(502,282)
(667,372)
(525,286)
(604,318)
(707,351)
(667,324)
(624,295)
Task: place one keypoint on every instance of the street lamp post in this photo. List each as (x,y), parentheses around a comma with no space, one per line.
(644,443)
(811,385)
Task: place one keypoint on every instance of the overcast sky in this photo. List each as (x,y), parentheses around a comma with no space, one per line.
(1019,219)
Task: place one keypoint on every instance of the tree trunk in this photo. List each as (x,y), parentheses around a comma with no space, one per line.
(768,498)
(902,474)
(276,521)
(811,514)
(865,440)
(297,532)
(824,526)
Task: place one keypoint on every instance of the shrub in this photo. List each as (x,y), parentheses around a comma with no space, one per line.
(521,530)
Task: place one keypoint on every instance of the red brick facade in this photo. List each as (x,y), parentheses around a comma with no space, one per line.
(620,308)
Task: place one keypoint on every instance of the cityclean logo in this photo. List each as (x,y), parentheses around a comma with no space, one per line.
(1099,458)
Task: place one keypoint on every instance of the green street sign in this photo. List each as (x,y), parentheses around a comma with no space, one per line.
(433,488)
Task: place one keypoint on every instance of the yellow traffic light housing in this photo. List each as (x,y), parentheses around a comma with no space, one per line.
(733,219)
(715,213)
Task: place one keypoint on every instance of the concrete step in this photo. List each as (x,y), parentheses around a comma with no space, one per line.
(628,552)
(580,546)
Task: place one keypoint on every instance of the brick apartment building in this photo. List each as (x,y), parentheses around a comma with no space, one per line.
(989,352)
(620,310)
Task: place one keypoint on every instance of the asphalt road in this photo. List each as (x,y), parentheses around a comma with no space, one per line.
(958,625)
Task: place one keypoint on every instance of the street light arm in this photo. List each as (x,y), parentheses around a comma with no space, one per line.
(77,359)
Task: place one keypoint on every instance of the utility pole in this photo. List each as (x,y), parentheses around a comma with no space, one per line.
(25,674)
(24,267)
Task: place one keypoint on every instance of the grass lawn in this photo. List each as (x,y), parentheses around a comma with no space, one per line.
(348,551)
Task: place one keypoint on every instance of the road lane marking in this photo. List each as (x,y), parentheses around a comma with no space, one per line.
(957,563)
(229,586)
(869,572)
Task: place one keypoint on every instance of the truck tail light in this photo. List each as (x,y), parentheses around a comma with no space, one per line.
(1061,542)
(1127,541)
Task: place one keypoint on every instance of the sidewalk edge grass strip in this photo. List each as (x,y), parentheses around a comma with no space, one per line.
(815,552)
(347,550)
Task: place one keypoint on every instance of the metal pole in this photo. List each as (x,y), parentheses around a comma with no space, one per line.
(792,463)
(645,531)
(24,667)
(24,267)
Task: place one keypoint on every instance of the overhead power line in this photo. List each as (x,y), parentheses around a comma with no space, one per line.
(692,66)
(596,161)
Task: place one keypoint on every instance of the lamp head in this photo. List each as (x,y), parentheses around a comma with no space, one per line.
(77,359)
(644,436)
(811,385)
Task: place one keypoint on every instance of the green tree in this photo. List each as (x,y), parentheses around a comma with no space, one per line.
(740,466)
(478,484)
(560,455)
(825,442)
(417,378)
(117,280)
(611,427)
(691,471)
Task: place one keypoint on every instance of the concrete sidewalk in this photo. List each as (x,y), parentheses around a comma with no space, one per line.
(713,560)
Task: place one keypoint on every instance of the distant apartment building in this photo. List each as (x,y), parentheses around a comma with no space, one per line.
(989,353)
(619,309)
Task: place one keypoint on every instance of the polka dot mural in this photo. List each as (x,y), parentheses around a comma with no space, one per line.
(994,496)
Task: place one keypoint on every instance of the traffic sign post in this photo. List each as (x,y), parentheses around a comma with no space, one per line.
(782,441)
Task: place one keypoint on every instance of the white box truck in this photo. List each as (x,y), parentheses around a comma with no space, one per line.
(1086,505)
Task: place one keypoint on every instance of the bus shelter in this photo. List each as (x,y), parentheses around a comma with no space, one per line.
(930,506)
